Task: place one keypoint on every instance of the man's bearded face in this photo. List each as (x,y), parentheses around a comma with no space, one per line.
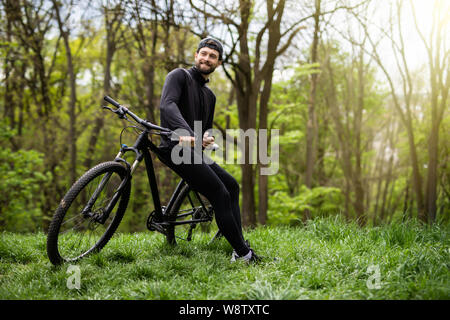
(207,60)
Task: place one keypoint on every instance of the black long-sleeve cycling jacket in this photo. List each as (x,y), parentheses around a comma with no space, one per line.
(186,98)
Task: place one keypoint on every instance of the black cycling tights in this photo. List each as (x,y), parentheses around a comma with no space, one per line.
(222,191)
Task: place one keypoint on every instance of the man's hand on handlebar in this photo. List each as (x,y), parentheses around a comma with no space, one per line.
(207,140)
(188,141)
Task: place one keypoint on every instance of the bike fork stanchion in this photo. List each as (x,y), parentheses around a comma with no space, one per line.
(86,211)
(113,201)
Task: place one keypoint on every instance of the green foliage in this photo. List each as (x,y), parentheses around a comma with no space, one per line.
(302,70)
(320,201)
(22,177)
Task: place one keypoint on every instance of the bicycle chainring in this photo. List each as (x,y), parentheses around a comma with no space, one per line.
(153,225)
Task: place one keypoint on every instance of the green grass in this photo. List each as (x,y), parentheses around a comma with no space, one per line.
(327,259)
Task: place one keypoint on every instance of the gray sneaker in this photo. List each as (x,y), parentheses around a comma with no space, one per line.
(235,256)
(249,257)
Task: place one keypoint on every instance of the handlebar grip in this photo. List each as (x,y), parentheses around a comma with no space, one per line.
(112,101)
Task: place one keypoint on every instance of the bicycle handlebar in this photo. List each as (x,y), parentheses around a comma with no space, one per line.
(122,111)
(112,101)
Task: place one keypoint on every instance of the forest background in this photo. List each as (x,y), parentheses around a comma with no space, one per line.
(358,89)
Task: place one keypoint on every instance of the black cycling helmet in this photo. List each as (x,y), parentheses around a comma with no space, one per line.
(213,44)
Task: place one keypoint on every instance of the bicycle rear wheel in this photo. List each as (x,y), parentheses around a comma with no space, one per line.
(85,219)
(187,206)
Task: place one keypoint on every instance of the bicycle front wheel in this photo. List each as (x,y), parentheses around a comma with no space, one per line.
(89,213)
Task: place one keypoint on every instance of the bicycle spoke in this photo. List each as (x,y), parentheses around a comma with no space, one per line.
(71,219)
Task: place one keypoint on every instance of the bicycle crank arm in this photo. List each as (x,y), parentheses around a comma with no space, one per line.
(189,237)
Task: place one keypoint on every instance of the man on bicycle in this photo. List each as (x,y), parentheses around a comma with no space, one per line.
(186,98)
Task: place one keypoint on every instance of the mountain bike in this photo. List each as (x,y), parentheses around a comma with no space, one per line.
(92,209)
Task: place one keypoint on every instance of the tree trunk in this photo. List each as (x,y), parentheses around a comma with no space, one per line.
(246,103)
(8,99)
(405,203)
(417,177)
(386,188)
(392,203)
(275,15)
(379,174)
(311,126)
(438,88)
(357,177)
(347,200)
(72,139)
(322,134)
(263,179)
(432,177)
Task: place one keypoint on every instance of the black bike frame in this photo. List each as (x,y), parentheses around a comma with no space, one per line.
(141,148)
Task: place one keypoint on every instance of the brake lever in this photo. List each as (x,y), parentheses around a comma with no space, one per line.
(119,112)
(110,109)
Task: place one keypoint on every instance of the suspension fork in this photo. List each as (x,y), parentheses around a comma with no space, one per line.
(86,212)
